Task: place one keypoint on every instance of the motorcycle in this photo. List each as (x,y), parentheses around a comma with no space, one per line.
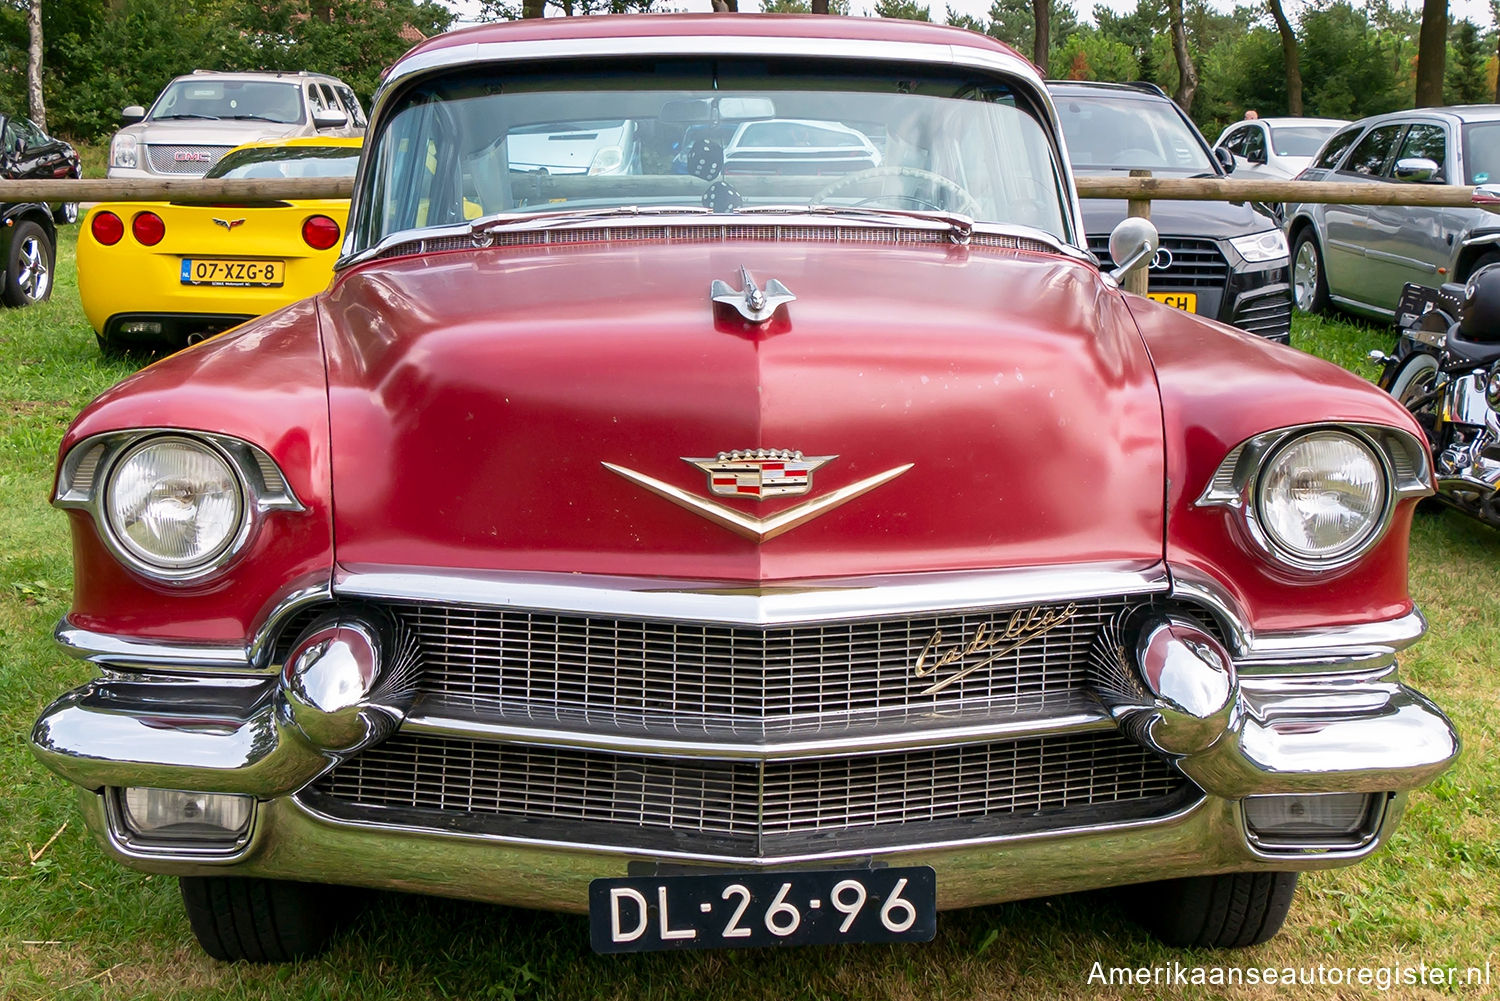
(1447,373)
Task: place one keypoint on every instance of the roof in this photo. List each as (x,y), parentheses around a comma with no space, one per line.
(1283,122)
(1461,112)
(875,29)
(1147,91)
(258,75)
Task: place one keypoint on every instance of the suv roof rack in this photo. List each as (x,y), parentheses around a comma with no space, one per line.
(1148,87)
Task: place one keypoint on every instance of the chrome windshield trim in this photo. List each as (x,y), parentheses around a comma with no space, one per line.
(750,604)
(436,60)
(445,718)
(483,236)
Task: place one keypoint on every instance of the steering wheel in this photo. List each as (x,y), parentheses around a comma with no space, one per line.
(968,204)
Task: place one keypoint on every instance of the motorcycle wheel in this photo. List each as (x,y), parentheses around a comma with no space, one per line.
(1413,378)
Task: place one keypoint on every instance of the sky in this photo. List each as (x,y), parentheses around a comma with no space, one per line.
(1475,10)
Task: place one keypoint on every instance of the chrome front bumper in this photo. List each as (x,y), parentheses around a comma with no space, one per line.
(1310,712)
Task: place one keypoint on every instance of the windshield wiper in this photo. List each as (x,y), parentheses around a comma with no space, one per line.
(186,114)
(562,216)
(960,225)
(257,118)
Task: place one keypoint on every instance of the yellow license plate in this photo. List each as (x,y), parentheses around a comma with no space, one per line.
(1185,301)
(266,274)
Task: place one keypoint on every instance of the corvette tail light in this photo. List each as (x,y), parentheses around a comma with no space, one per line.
(107,228)
(320,232)
(148,228)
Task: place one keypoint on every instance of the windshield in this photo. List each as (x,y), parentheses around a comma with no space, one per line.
(1128,133)
(212,98)
(1299,140)
(288,161)
(721,137)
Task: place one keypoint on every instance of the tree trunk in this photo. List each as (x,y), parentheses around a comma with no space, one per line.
(1187,74)
(1041,16)
(820,6)
(34,66)
(533,8)
(1289,58)
(1432,52)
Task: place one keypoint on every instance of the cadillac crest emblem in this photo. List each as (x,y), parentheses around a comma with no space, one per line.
(760,474)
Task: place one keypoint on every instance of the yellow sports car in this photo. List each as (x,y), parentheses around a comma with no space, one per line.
(168,274)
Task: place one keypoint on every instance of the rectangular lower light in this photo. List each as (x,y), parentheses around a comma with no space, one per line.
(1312,818)
(181,815)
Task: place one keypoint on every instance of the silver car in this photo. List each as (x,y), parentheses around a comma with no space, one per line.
(1359,256)
(1275,148)
(199,117)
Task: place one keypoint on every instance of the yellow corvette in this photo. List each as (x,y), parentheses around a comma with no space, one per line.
(168,274)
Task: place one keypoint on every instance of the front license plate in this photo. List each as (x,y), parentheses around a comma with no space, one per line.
(268,274)
(1186,301)
(641,914)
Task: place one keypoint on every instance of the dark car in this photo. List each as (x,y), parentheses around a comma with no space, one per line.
(28,239)
(1220,260)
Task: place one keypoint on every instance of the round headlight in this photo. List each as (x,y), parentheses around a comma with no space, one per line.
(174,503)
(1321,496)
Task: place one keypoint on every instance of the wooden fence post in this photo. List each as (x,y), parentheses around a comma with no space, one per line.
(1139,208)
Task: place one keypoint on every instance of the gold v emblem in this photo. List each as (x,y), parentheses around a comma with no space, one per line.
(751,527)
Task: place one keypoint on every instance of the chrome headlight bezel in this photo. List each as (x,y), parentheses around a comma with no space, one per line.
(1236,485)
(140,555)
(87,471)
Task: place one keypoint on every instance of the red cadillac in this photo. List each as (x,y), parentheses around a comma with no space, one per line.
(739,558)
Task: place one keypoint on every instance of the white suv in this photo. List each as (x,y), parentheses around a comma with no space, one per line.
(199,117)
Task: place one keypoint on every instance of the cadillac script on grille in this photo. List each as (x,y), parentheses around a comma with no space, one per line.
(1024,626)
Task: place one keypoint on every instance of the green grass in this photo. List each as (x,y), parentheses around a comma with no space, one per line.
(74,924)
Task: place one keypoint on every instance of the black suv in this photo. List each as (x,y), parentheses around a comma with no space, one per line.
(1222,260)
(28,232)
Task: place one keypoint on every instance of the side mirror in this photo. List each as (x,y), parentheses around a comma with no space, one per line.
(1132,244)
(132,114)
(1415,169)
(329,119)
(1225,158)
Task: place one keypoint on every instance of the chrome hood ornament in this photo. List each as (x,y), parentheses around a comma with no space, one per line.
(751,302)
(760,473)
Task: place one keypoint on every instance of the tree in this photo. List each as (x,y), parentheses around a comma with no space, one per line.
(1088,55)
(1432,51)
(1041,17)
(1289,58)
(1467,78)
(970,22)
(906,10)
(34,101)
(1014,23)
(1187,74)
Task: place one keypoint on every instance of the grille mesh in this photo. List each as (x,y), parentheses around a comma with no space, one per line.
(163,158)
(718,233)
(1269,316)
(1195,263)
(1029,777)
(632,673)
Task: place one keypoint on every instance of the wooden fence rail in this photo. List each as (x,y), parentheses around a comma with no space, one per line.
(1133,188)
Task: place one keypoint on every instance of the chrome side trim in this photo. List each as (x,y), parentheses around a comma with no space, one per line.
(451,719)
(112,651)
(1358,647)
(728,603)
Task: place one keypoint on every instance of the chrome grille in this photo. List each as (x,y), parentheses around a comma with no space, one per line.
(163,158)
(625,673)
(440,777)
(1195,263)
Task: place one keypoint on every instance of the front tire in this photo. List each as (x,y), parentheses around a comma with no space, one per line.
(1230,911)
(28,269)
(259,920)
(1413,379)
(65,214)
(1309,280)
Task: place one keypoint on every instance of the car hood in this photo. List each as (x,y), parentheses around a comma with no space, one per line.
(1209,220)
(509,409)
(202,132)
